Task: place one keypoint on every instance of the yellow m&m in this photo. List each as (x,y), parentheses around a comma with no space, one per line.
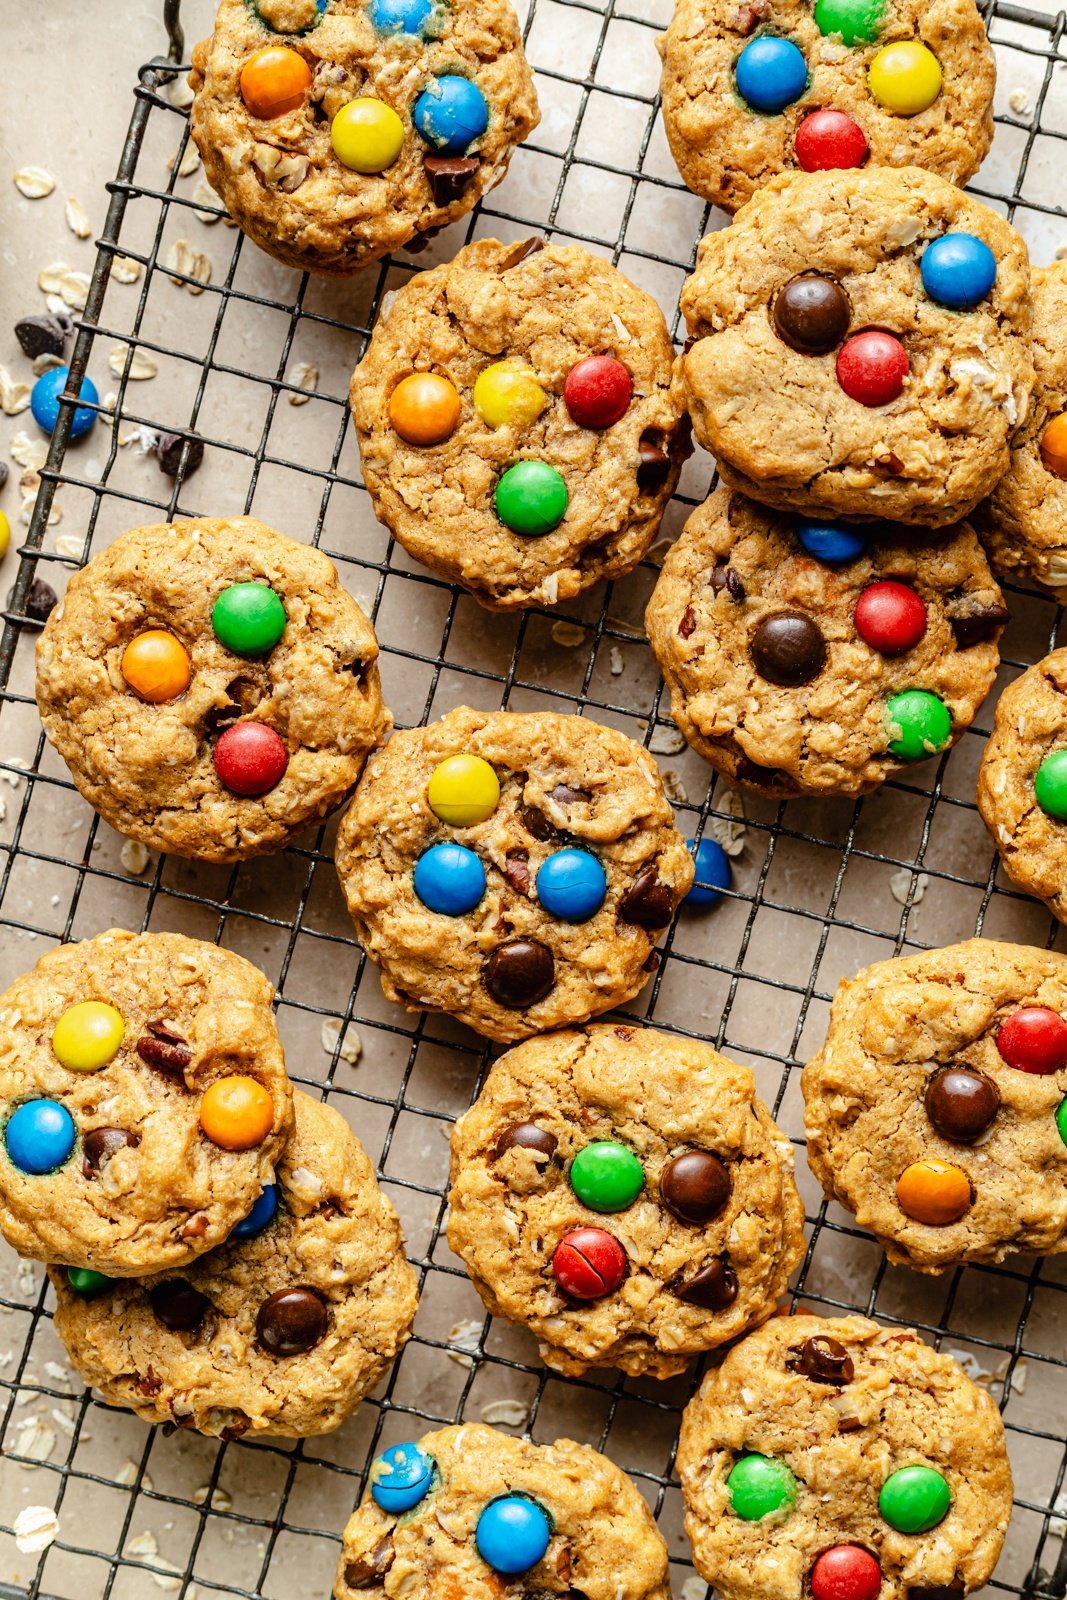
(1054,446)
(424,408)
(87,1036)
(905,77)
(507,394)
(236,1113)
(367,135)
(156,666)
(463,790)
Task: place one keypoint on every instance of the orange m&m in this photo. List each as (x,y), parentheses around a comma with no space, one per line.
(274,81)
(156,666)
(236,1113)
(424,408)
(934,1192)
(1054,446)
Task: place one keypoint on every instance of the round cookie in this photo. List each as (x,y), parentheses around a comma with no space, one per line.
(657,1142)
(726,148)
(366,125)
(796,674)
(504,794)
(211,686)
(515,421)
(935,1110)
(438,1512)
(822,1434)
(859,346)
(1023,521)
(144,1101)
(279,1332)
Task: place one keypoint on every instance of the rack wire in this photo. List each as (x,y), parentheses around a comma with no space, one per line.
(819,888)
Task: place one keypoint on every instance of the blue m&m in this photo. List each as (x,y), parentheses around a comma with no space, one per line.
(713,873)
(450,879)
(832,542)
(451,113)
(571,885)
(44,402)
(394,17)
(260,1215)
(770,73)
(512,1534)
(401,1477)
(39,1136)
(958,270)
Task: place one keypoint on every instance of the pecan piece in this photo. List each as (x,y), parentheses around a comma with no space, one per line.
(517,870)
(165,1049)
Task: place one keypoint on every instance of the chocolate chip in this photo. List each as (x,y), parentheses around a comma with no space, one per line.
(890,464)
(40,602)
(449,176)
(653,463)
(788,649)
(526,1136)
(45,335)
(564,795)
(626,1034)
(976,627)
(723,577)
(647,903)
(823,1360)
(651,962)
(536,823)
(811,314)
(238,1425)
(150,1383)
(961,1103)
(714,1287)
(366,1571)
(291,1321)
(243,697)
(168,452)
(520,973)
(179,1306)
(161,1047)
(100,1144)
(520,252)
(767,777)
(517,870)
(695,1186)
(688,623)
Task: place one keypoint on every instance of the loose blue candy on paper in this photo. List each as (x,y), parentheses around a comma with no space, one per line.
(512,1534)
(832,542)
(571,885)
(770,73)
(39,1136)
(401,1477)
(44,402)
(450,114)
(260,1215)
(713,873)
(958,270)
(450,879)
(394,17)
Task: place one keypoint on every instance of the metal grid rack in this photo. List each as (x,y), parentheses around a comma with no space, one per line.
(819,888)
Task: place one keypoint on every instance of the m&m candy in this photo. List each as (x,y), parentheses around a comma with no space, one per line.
(260,1216)
(248,618)
(512,1534)
(846,1572)
(83,1280)
(919,724)
(463,790)
(890,617)
(394,17)
(905,77)
(274,81)
(788,648)
(1050,785)
(832,542)
(507,394)
(1034,1039)
(857,21)
(811,313)
(1061,1120)
(291,1321)
(449,879)
(531,498)
(588,1263)
(961,1103)
(519,973)
(1053,446)
(5,535)
(39,1136)
(597,391)
(695,1186)
(713,873)
(872,367)
(571,885)
(250,759)
(826,140)
(156,666)
(958,270)
(934,1192)
(236,1112)
(759,1486)
(44,402)
(400,1477)
(87,1036)
(770,73)
(606,1176)
(450,114)
(424,408)
(367,135)
(914,1499)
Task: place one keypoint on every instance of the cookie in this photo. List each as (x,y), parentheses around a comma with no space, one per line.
(936,1110)
(144,1101)
(833,1458)
(283,1329)
(515,421)
(336,130)
(752,88)
(470,1511)
(512,869)
(212,688)
(1022,782)
(814,658)
(859,346)
(625,1195)
(1024,520)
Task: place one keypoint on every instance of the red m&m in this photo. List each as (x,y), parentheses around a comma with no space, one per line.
(1034,1039)
(890,617)
(846,1572)
(588,1263)
(598,391)
(872,366)
(829,139)
(250,758)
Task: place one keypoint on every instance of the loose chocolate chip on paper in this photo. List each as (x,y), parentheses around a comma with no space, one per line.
(45,335)
(40,602)
(168,452)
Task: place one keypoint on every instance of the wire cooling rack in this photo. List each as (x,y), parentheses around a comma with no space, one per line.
(819,888)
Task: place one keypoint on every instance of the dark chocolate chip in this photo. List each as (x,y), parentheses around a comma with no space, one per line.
(527,1136)
(164,1049)
(520,252)
(45,335)
(651,962)
(536,823)
(169,448)
(3,473)
(647,903)
(517,870)
(150,1383)
(520,973)
(449,176)
(687,626)
(823,1360)
(237,1426)
(961,1103)
(564,795)
(366,1571)
(723,577)
(100,1144)
(653,464)
(291,1321)
(40,602)
(811,314)
(695,1186)
(713,1288)
(179,1306)
(788,649)
(976,627)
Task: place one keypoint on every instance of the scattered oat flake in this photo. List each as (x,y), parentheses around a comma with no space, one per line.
(1019,101)
(34,1439)
(185,261)
(124,269)
(204,195)
(620,327)
(35,1529)
(729,831)
(59,1373)
(694,1588)
(46,362)
(141,365)
(179,93)
(615,661)
(134,856)
(143,1544)
(70,546)
(304,377)
(505,1413)
(27,1276)
(144,438)
(620,625)
(900,883)
(666,742)
(187,165)
(219,1499)
(1058,1526)
(466,1336)
(77,221)
(568,634)
(349,1048)
(65,1423)
(71,286)
(35,183)
(31,453)
(14,396)
(674,787)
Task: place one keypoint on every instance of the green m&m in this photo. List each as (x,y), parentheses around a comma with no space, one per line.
(915,1499)
(1061,1120)
(760,1487)
(920,724)
(606,1176)
(857,21)
(248,618)
(531,498)
(83,1280)
(1050,785)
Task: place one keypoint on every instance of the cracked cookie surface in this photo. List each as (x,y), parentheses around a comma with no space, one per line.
(149,768)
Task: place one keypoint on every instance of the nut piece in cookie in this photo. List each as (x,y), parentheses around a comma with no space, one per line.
(144,1101)
(806,657)
(903,409)
(281,1330)
(831,1457)
(470,1511)
(512,869)
(644,1193)
(516,423)
(936,1110)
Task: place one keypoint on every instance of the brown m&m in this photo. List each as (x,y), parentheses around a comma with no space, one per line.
(788,649)
(811,314)
(291,1322)
(526,1136)
(961,1103)
(695,1186)
(520,973)
(179,1306)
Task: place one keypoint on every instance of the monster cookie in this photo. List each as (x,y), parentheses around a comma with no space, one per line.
(937,1108)
(515,421)
(514,870)
(859,346)
(283,1329)
(211,687)
(754,87)
(469,1511)
(1024,522)
(625,1195)
(1022,783)
(808,658)
(833,1458)
(143,1101)
(335,130)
